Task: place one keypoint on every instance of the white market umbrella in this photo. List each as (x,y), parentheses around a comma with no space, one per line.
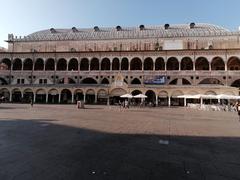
(140,96)
(210,96)
(225,96)
(127,96)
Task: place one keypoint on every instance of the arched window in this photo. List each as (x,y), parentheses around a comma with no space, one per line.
(105,81)
(233,64)
(186,63)
(105,64)
(172,64)
(159,64)
(124,64)
(62,65)
(8,63)
(73,65)
(217,64)
(39,65)
(17,64)
(148,64)
(50,65)
(202,64)
(89,81)
(136,64)
(28,64)
(84,65)
(136,81)
(115,64)
(94,65)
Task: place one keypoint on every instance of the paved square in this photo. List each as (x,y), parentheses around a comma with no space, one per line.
(54,142)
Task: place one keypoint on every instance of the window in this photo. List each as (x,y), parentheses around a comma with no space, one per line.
(45,81)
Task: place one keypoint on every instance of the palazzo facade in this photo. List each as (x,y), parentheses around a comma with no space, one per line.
(100,64)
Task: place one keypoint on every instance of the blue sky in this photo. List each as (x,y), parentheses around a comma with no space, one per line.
(27,16)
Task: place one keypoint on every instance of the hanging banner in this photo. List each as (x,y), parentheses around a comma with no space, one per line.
(158,80)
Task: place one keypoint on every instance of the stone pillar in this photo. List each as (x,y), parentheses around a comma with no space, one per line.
(165,66)
(156,100)
(46,97)
(194,66)
(201,102)
(84,97)
(108,101)
(225,66)
(219,101)
(72,98)
(169,101)
(10,96)
(185,102)
(34,97)
(59,98)
(95,100)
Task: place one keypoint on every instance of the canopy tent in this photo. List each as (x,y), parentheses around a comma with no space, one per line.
(225,96)
(127,96)
(140,96)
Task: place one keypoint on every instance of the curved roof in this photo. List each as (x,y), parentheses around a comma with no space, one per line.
(174,31)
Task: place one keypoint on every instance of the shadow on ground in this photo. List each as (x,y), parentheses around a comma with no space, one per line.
(43,150)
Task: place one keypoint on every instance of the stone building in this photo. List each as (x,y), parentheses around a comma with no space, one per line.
(98,65)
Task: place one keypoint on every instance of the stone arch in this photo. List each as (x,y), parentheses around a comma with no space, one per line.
(115,64)
(136,64)
(211,81)
(50,65)
(236,83)
(159,64)
(78,95)
(17,64)
(172,64)
(151,97)
(39,65)
(66,96)
(27,95)
(105,64)
(211,92)
(233,63)
(186,63)
(40,96)
(201,64)
(176,93)
(5,93)
(136,92)
(7,62)
(28,64)
(124,64)
(148,64)
(73,64)
(89,81)
(84,64)
(217,64)
(16,95)
(53,96)
(105,81)
(102,96)
(118,92)
(62,64)
(136,81)
(3,81)
(185,82)
(94,65)
(90,96)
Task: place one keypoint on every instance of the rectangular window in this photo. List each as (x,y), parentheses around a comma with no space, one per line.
(40,81)
(18,81)
(22,81)
(45,81)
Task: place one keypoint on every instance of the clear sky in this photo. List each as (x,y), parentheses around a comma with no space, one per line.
(22,17)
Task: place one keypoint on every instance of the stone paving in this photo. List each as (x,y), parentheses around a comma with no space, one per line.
(58,142)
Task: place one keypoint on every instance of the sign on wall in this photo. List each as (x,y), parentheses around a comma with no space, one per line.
(158,80)
(173,45)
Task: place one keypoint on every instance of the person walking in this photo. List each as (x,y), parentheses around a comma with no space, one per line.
(238,109)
